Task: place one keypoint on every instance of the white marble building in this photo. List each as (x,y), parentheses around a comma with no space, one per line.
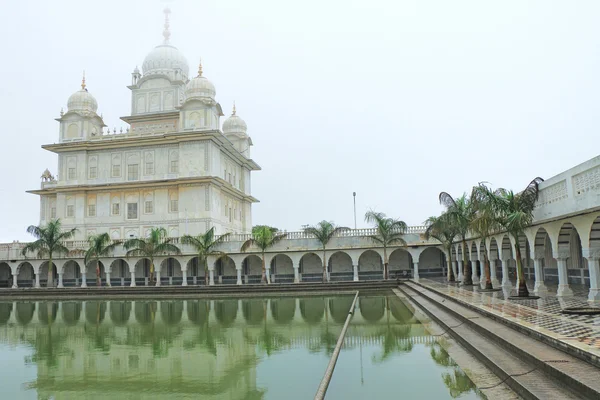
(173,167)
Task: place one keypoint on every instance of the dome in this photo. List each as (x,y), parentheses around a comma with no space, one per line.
(82,100)
(234,124)
(165,59)
(200,87)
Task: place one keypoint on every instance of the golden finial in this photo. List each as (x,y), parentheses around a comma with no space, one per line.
(200,68)
(83,81)
(233,113)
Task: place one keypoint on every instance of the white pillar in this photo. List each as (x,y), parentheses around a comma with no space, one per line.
(355,272)
(157,277)
(60,280)
(482,277)
(454,267)
(505,281)
(184,276)
(459,265)
(474,272)
(563,279)
(14,285)
(211,277)
(107,278)
(239,276)
(296,274)
(83,279)
(416,271)
(268,274)
(594,267)
(132,284)
(539,288)
(494,274)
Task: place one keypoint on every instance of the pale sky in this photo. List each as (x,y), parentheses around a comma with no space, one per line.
(394,99)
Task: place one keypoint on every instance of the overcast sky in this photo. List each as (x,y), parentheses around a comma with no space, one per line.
(394,99)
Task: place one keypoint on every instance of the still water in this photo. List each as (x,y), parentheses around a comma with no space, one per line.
(275,348)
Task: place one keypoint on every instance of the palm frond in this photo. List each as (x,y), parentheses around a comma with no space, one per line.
(247,244)
(446,200)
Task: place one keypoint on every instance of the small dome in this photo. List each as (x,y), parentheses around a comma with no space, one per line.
(234,124)
(166,59)
(200,87)
(82,100)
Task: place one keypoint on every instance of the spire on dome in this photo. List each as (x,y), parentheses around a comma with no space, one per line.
(200,68)
(167,32)
(233,112)
(83,81)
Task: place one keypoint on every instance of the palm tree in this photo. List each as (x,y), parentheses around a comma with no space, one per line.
(205,244)
(389,232)
(156,244)
(484,224)
(323,232)
(101,245)
(263,237)
(513,212)
(442,229)
(460,212)
(49,241)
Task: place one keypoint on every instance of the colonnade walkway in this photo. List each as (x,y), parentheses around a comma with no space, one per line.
(542,315)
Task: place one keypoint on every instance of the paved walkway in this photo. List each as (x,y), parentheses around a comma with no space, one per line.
(543,315)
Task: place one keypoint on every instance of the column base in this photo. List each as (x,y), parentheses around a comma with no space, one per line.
(495,282)
(564,291)
(507,285)
(184,283)
(539,289)
(132,283)
(594,296)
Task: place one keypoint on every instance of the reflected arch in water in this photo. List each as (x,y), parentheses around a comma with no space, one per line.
(226,311)
(5,312)
(95,311)
(171,312)
(71,312)
(145,311)
(401,312)
(283,310)
(339,308)
(254,311)
(24,312)
(197,311)
(120,312)
(312,309)
(47,312)
(372,309)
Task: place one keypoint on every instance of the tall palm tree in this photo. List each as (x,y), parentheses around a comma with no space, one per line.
(156,244)
(460,212)
(205,244)
(323,232)
(263,237)
(483,224)
(513,212)
(49,241)
(389,232)
(442,229)
(101,245)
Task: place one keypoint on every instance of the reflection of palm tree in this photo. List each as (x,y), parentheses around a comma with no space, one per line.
(327,340)
(48,347)
(396,339)
(206,337)
(458,383)
(441,356)
(269,341)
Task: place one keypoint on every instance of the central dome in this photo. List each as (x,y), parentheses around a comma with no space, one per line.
(166,59)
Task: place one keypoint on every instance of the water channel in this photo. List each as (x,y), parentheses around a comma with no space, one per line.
(271,348)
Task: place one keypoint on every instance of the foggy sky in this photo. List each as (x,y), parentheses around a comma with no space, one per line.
(396,100)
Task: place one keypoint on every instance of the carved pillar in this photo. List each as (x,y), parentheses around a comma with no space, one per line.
(539,288)
(505,281)
(563,278)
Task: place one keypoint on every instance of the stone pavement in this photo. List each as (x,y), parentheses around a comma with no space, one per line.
(542,315)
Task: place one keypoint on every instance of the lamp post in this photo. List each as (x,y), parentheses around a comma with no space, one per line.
(354,195)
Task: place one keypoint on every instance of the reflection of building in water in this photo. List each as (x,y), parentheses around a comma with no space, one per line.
(207,348)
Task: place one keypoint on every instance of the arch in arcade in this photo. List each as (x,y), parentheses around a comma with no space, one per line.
(71,273)
(507,254)
(311,268)
(282,268)
(25,275)
(5,275)
(495,263)
(432,262)
(43,272)
(340,267)
(370,266)
(142,271)
(170,272)
(474,262)
(225,270)
(570,244)
(119,273)
(252,269)
(196,271)
(96,274)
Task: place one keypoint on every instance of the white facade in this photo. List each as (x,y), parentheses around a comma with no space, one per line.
(172,167)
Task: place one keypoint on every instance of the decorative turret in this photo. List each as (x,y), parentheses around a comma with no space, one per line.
(235,129)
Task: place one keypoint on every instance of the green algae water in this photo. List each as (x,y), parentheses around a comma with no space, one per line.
(271,348)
